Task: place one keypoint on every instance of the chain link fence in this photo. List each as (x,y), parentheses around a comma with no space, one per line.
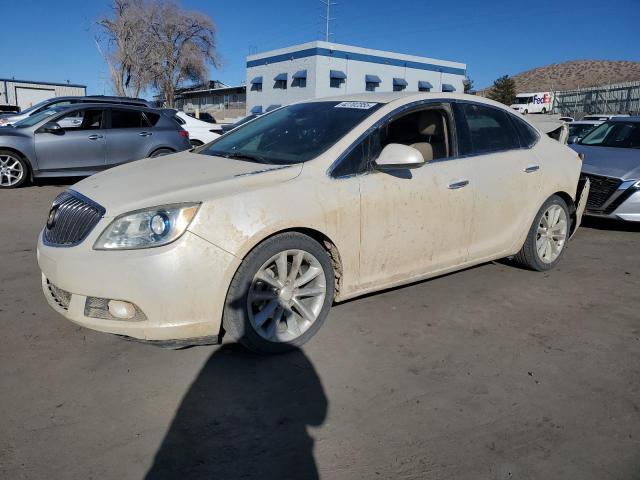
(616,98)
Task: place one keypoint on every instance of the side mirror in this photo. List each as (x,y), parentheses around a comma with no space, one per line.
(573,139)
(396,156)
(52,127)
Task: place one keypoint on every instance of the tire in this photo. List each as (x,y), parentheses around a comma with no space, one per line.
(526,111)
(265,316)
(544,110)
(14,169)
(195,143)
(530,255)
(161,152)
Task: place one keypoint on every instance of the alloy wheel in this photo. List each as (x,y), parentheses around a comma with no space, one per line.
(11,170)
(552,233)
(286,295)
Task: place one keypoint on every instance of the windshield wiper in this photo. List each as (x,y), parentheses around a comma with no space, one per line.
(246,156)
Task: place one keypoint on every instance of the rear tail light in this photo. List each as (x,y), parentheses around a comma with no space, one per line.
(183,133)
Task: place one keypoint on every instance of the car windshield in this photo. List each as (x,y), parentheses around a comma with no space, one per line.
(38,117)
(579,129)
(523,100)
(614,134)
(292,134)
(35,107)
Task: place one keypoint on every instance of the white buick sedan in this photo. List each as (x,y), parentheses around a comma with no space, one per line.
(255,235)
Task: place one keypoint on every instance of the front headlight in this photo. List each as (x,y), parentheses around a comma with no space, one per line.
(150,227)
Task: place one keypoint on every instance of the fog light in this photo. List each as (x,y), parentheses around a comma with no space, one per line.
(120,309)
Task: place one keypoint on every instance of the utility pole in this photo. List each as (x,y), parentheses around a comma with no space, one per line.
(327,18)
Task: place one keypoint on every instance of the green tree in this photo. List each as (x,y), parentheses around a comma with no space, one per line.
(468,86)
(503,90)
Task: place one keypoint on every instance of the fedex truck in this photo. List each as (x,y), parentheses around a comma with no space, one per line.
(540,102)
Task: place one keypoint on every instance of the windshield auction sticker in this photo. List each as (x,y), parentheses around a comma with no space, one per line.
(358,105)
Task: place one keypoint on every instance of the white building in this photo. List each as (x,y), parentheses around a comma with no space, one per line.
(25,93)
(320,69)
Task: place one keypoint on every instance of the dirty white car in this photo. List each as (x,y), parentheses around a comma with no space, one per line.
(255,235)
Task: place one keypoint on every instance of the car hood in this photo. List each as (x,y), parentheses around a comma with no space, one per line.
(181,177)
(621,163)
(7,131)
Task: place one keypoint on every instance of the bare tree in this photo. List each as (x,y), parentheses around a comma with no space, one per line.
(156,43)
(128,50)
(184,45)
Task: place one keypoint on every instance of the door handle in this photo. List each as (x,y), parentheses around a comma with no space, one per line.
(145,134)
(459,184)
(94,137)
(532,168)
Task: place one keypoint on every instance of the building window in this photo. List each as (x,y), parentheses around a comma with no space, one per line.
(424,86)
(336,78)
(256,84)
(299,79)
(372,82)
(280,81)
(399,84)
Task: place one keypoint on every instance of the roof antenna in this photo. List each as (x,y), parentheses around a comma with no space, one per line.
(327,18)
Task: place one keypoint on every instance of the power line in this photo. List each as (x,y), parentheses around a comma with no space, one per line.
(327,18)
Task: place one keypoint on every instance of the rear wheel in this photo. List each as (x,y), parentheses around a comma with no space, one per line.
(281,294)
(14,170)
(546,241)
(161,152)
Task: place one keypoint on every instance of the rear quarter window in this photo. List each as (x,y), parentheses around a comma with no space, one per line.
(528,135)
(152,118)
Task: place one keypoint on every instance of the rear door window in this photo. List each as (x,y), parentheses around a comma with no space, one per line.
(489,130)
(127,119)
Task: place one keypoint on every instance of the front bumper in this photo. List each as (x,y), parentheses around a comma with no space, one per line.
(624,205)
(180,288)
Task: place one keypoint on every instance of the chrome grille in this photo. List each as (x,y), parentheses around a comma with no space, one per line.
(71,219)
(601,190)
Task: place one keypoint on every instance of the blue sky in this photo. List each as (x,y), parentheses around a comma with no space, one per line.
(53,40)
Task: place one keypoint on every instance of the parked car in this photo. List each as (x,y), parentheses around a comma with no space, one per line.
(231,126)
(204,116)
(84,139)
(199,132)
(612,164)
(580,128)
(9,109)
(603,117)
(258,233)
(8,119)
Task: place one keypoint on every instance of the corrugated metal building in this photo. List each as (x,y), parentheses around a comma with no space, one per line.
(25,93)
(320,69)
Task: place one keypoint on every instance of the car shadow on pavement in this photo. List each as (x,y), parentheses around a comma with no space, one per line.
(245,416)
(53,181)
(610,224)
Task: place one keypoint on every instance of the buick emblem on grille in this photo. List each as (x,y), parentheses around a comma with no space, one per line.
(53,216)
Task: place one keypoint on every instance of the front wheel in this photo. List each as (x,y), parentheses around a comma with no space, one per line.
(547,237)
(14,170)
(281,294)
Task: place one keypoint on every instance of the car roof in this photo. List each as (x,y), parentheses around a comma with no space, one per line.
(77,106)
(100,99)
(633,119)
(401,97)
